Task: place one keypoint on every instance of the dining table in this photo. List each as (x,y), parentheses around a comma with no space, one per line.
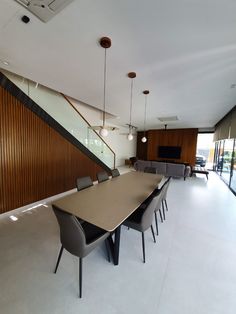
(108,204)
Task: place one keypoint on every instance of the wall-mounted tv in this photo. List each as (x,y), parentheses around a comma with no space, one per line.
(173,152)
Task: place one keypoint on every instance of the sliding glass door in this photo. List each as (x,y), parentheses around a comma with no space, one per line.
(233,177)
(219,156)
(225,161)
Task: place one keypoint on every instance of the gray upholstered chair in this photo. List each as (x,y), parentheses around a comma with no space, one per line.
(160,204)
(78,239)
(158,194)
(141,219)
(158,208)
(102,176)
(83,183)
(115,173)
(164,195)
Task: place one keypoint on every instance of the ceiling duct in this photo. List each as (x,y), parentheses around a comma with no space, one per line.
(45,10)
(168,119)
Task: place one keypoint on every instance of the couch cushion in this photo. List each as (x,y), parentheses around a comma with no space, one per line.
(140,165)
(160,167)
(175,170)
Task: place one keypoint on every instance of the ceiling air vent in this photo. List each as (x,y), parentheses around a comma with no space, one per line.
(168,119)
(44,9)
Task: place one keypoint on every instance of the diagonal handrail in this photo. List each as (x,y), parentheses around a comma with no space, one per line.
(67,118)
(97,134)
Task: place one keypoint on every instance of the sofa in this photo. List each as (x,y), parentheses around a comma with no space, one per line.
(167,169)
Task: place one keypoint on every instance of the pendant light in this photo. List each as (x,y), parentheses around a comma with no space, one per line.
(131,75)
(105,42)
(144,139)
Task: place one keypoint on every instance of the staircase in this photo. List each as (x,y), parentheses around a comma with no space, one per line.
(56,109)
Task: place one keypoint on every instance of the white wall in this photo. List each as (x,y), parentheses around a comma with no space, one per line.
(115,139)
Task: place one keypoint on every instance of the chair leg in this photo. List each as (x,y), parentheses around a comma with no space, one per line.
(154,239)
(143,244)
(160,215)
(58,259)
(80,276)
(108,251)
(156,222)
(163,210)
(166,205)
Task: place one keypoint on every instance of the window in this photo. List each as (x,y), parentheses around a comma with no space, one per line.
(206,148)
(225,161)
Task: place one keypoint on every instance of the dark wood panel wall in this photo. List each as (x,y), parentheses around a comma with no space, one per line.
(141,147)
(185,138)
(35,160)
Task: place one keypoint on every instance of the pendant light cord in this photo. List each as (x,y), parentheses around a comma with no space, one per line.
(104,88)
(145,115)
(131,104)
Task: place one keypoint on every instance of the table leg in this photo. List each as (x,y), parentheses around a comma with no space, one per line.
(115,245)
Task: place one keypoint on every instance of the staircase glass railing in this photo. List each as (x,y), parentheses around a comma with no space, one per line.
(58,107)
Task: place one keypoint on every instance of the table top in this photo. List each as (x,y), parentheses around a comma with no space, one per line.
(109,203)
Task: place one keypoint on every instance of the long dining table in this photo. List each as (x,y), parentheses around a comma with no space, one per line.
(107,204)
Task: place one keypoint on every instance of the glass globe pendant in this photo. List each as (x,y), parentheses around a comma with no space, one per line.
(144,139)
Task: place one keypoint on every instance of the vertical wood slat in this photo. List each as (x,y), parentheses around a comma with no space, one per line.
(185,138)
(35,161)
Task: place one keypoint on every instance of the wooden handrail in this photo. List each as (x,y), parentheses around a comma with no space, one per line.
(71,104)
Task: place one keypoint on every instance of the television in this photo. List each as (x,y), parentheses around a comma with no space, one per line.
(173,152)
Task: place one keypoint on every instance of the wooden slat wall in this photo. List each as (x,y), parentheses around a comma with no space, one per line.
(35,161)
(185,138)
(141,147)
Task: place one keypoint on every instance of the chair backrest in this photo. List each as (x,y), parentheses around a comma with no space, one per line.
(150,170)
(71,232)
(158,195)
(102,176)
(83,183)
(115,173)
(147,216)
(165,188)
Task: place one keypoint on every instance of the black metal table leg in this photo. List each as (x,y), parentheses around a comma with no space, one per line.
(115,245)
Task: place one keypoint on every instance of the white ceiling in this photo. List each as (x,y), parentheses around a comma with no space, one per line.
(183,51)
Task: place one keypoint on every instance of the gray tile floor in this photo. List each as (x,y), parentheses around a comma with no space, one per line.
(190,270)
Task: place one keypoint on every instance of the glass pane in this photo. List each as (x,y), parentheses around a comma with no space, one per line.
(226,159)
(233,178)
(205,150)
(219,159)
(216,155)
(64,113)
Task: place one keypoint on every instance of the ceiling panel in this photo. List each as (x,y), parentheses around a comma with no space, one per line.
(182,51)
